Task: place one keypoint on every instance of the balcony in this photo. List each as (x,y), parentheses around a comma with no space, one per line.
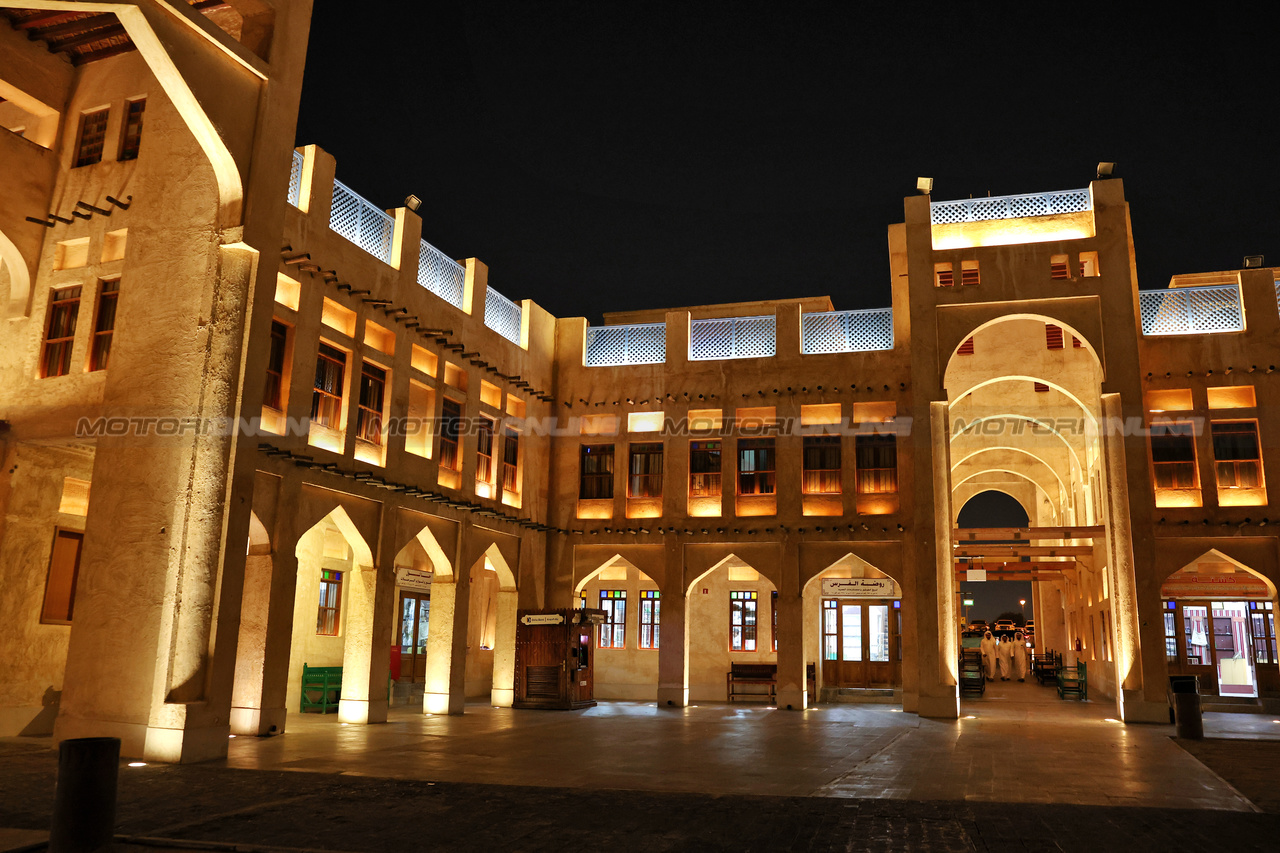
(610,346)
(442,275)
(360,222)
(502,315)
(734,337)
(847,331)
(1191,310)
(1010,206)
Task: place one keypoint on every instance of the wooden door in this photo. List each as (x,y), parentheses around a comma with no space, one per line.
(861,643)
(1262,623)
(1195,647)
(583,688)
(415,618)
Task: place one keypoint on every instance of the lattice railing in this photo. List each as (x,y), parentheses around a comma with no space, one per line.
(847,331)
(295,179)
(734,337)
(1009,206)
(360,222)
(1191,310)
(441,274)
(643,343)
(502,315)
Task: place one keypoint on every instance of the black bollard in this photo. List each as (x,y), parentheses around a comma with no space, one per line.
(84,805)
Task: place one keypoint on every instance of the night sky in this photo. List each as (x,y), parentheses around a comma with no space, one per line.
(606,157)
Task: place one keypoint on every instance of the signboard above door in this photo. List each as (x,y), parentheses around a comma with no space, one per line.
(414,580)
(859,588)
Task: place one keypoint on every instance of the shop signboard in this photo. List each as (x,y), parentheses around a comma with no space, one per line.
(859,588)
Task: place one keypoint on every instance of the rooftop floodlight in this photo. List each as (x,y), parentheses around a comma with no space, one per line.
(1253,262)
(1105,170)
(924,185)
(412,202)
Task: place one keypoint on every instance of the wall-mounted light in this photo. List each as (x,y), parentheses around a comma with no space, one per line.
(924,186)
(412,202)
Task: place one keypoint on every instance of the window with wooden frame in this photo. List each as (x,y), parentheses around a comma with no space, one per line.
(484,450)
(1173,455)
(326,397)
(650,617)
(1059,267)
(966,348)
(64,572)
(943,275)
(373,387)
(104,324)
(1053,336)
(131,137)
(273,395)
(613,631)
(1039,387)
(830,629)
(1170,633)
(644,470)
(876,458)
(330,609)
(1262,620)
(93,132)
(704,469)
(510,460)
(595,472)
(821,464)
(742,620)
(1236,455)
(757,466)
(450,430)
(773,608)
(969,273)
(60,332)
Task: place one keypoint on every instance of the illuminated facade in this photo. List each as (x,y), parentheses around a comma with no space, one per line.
(415,456)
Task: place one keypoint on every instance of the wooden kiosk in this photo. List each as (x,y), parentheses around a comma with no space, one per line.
(554,652)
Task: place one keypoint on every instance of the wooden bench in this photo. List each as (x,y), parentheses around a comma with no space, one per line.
(755,674)
(1073,681)
(324,680)
(1045,667)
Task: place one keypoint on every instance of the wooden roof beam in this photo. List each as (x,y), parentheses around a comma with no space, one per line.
(1028,534)
(1002,551)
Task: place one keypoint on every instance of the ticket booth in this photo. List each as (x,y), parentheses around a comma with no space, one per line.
(554,658)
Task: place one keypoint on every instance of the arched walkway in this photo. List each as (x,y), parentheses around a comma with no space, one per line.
(627,645)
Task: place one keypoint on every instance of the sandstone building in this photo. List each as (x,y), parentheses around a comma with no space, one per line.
(252,421)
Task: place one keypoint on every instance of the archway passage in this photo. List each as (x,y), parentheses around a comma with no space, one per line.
(1000,598)
(625,660)
(1219,625)
(731,619)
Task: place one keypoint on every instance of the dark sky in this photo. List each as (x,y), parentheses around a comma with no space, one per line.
(621,156)
(991,598)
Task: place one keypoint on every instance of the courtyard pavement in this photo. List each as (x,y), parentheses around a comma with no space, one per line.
(1022,771)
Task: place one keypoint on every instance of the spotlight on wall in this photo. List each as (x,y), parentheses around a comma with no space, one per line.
(1105,170)
(924,186)
(412,202)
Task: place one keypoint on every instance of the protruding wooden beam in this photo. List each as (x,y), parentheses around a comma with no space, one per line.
(1025,534)
(1003,551)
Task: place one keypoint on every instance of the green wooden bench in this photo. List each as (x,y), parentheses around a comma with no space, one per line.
(1073,681)
(325,681)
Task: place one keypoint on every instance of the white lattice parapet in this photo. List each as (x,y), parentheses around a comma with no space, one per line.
(295,179)
(847,331)
(734,337)
(642,343)
(1191,310)
(442,275)
(360,222)
(502,315)
(1010,206)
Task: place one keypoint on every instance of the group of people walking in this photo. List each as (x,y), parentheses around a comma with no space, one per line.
(1007,658)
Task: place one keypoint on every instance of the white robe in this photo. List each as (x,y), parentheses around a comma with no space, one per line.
(988,647)
(1020,659)
(1006,657)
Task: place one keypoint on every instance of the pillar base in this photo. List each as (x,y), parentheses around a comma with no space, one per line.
(502,697)
(791,699)
(946,707)
(442,703)
(359,712)
(152,743)
(673,697)
(257,722)
(1136,709)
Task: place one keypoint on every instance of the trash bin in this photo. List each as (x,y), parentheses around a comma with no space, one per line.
(1184,699)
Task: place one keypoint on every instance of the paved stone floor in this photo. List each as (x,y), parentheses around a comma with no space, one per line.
(1023,771)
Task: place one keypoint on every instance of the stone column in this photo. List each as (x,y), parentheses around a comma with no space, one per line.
(366,655)
(673,645)
(938,648)
(793,687)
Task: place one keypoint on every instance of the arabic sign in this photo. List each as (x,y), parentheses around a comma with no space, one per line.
(1238,585)
(413,579)
(859,588)
(542,619)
